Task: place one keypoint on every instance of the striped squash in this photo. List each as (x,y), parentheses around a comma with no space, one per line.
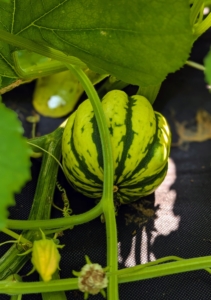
(140,139)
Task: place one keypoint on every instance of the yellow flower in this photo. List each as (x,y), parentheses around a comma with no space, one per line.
(45,258)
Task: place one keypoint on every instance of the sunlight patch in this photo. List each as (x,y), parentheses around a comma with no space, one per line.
(165,197)
(131,260)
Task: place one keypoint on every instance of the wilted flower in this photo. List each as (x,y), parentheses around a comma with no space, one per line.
(92,279)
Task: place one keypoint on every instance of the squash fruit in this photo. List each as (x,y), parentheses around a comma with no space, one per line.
(140,139)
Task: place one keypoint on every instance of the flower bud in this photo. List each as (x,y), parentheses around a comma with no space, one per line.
(45,257)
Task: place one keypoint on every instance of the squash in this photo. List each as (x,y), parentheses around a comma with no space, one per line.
(140,139)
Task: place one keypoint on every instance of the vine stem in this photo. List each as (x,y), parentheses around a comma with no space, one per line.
(169,268)
(107,198)
(42,149)
(30,45)
(199,29)
(195,65)
(16,236)
(146,271)
(195,9)
(10,263)
(106,204)
(59,222)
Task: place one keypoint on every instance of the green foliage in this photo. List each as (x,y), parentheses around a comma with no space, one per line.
(14,160)
(137,42)
(207,64)
(137,47)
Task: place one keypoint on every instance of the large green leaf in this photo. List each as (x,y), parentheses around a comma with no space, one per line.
(14,160)
(137,41)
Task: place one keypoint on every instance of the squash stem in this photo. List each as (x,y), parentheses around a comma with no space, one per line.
(10,263)
(168,268)
(199,29)
(110,85)
(150,92)
(24,43)
(149,270)
(16,236)
(195,65)
(195,10)
(59,222)
(107,199)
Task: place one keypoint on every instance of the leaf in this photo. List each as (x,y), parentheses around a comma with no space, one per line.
(139,42)
(6,23)
(207,64)
(14,160)
(10,83)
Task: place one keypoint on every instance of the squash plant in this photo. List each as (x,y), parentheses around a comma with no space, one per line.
(138,44)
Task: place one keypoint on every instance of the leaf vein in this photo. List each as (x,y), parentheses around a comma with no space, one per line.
(13,16)
(45,14)
(102,58)
(7,62)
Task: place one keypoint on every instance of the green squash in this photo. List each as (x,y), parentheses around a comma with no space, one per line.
(140,139)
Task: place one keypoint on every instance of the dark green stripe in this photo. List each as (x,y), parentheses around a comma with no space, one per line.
(127,139)
(81,181)
(149,180)
(149,150)
(81,162)
(125,198)
(87,193)
(97,142)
